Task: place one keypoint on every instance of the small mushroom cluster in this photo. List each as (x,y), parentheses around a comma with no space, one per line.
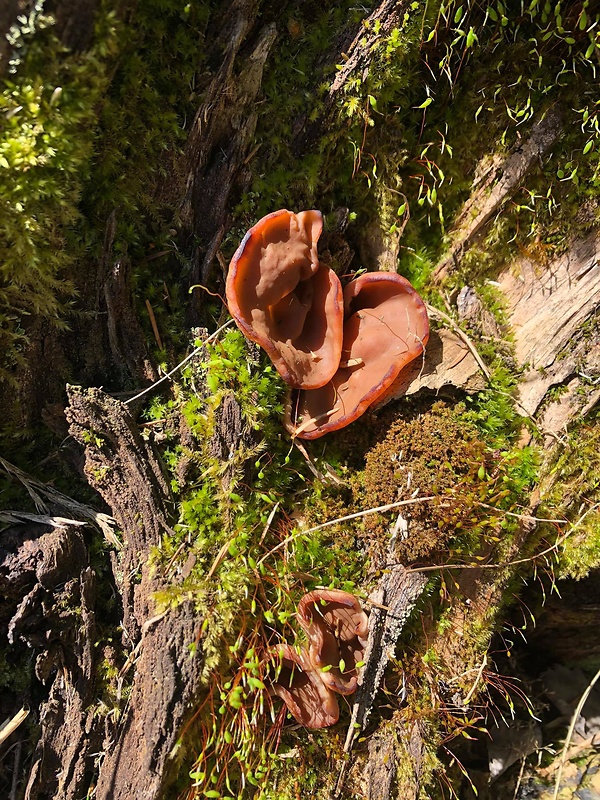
(340,350)
(307,680)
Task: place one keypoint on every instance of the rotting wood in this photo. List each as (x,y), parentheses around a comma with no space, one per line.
(48,596)
(499,186)
(359,52)
(382,765)
(472,311)
(126,338)
(392,603)
(448,365)
(222,131)
(147,628)
(355,51)
(70,734)
(139,749)
(552,311)
(394,764)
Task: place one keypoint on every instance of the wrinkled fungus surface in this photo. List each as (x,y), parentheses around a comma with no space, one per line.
(385,328)
(337,629)
(307,679)
(285,301)
(309,700)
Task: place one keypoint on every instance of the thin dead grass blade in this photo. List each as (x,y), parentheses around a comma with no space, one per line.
(356,515)
(105,523)
(10,725)
(16,517)
(181,364)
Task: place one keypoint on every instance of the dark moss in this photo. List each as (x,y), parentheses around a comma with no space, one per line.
(437,453)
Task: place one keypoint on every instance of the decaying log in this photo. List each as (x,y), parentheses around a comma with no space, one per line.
(222,131)
(394,763)
(70,732)
(381,767)
(48,595)
(552,310)
(552,313)
(499,185)
(472,311)
(355,49)
(139,748)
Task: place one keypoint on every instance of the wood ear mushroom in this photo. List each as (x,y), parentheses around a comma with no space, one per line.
(341,352)
(336,628)
(308,679)
(283,299)
(385,329)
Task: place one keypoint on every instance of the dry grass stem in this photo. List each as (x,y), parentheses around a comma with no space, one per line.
(154,325)
(356,515)
(576,713)
(10,725)
(37,488)
(552,548)
(181,364)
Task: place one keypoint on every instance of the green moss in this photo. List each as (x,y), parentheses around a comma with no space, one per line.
(575,492)
(49,107)
(86,136)
(235,504)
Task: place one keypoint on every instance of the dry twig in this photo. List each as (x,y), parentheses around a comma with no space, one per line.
(10,725)
(576,713)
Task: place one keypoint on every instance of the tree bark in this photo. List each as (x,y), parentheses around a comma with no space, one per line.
(141,745)
(47,576)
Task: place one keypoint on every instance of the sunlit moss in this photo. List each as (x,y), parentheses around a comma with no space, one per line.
(575,491)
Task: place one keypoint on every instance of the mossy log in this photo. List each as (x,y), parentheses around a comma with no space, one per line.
(140,746)
(54,582)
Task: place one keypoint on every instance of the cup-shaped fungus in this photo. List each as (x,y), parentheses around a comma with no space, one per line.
(337,629)
(385,328)
(299,685)
(285,301)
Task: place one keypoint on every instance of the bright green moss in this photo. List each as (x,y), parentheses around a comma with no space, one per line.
(575,491)
(49,107)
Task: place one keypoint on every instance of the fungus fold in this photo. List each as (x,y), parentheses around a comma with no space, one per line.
(284,300)
(308,679)
(308,699)
(341,352)
(336,628)
(385,328)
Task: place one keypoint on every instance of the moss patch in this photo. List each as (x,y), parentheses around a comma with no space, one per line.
(434,453)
